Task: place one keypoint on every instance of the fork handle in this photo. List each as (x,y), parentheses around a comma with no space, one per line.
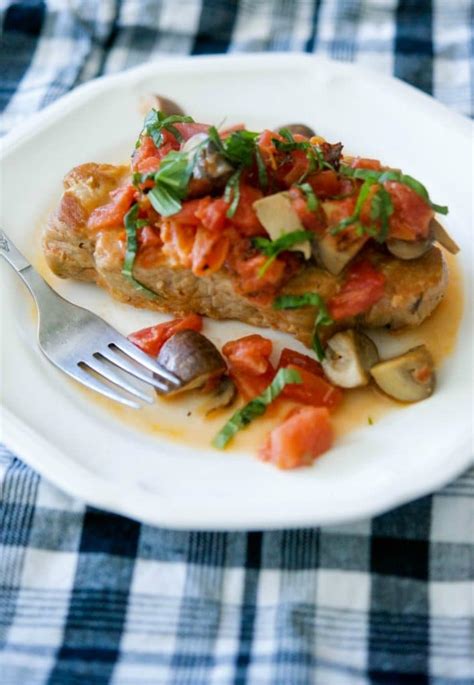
(12,254)
(41,291)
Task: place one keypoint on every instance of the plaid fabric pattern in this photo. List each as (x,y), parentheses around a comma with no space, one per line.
(88,597)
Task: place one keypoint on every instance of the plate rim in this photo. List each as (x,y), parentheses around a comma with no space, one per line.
(106,494)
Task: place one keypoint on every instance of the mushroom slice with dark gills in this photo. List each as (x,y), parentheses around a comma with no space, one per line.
(408,249)
(193,358)
(211,169)
(223,395)
(409,377)
(441,236)
(349,355)
(299,129)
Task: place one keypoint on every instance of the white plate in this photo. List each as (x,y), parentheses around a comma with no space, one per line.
(90,454)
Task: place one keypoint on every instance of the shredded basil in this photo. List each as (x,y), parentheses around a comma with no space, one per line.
(256,407)
(392,175)
(171,182)
(272,248)
(311,199)
(262,169)
(156,121)
(381,208)
(314,154)
(323,318)
(131,223)
(232,190)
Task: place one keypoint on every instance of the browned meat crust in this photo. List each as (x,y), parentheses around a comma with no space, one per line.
(413,288)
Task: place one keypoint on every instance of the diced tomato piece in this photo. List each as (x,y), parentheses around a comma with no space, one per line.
(291,172)
(209,251)
(178,242)
(292,357)
(313,390)
(113,213)
(250,354)
(304,435)
(148,237)
(250,385)
(366,163)
(151,339)
(325,184)
(364,286)
(245,218)
(147,156)
(189,130)
(187,213)
(212,213)
(411,214)
(250,282)
(311,220)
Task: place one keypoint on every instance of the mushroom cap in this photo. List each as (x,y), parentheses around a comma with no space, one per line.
(349,356)
(409,377)
(191,357)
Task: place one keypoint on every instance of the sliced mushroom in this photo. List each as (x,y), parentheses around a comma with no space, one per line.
(334,252)
(299,129)
(349,356)
(191,357)
(409,377)
(210,165)
(408,249)
(443,238)
(277,216)
(223,396)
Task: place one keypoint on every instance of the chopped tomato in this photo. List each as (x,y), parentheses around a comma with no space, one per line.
(187,213)
(178,242)
(292,357)
(212,213)
(366,163)
(411,214)
(311,220)
(313,390)
(325,184)
(250,354)
(147,156)
(189,130)
(291,171)
(151,339)
(364,286)
(113,213)
(267,147)
(245,218)
(250,385)
(304,435)
(148,237)
(209,251)
(248,270)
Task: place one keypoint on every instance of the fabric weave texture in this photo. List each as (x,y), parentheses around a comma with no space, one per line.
(89,597)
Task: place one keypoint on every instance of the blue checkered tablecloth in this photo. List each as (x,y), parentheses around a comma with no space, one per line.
(88,597)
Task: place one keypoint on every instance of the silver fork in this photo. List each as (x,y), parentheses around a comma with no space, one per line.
(84,346)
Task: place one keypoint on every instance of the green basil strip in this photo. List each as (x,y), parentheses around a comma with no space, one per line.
(392,175)
(311,199)
(262,169)
(130,221)
(156,121)
(256,407)
(272,248)
(232,189)
(323,318)
(163,202)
